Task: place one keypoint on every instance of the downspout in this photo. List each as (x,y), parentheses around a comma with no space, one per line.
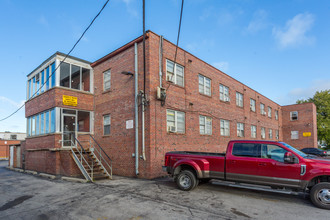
(136,112)
(160,61)
(143,135)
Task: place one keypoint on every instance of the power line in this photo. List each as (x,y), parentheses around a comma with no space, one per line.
(177,42)
(105,4)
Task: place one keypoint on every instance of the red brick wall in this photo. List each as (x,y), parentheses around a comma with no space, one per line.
(4,147)
(306,123)
(54,98)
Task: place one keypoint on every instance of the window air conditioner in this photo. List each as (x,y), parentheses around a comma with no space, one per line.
(170,78)
(171,129)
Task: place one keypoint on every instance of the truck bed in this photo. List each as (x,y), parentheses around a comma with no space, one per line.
(198,153)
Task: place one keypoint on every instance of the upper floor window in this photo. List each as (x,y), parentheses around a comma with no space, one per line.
(106,80)
(262,109)
(74,77)
(294,116)
(294,135)
(174,73)
(205,125)
(41,81)
(277,134)
(253,105)
(13,137)
(269,112)
(240,130)
(175,121)
(270,133)
(239,99)
(253,131)
(106,124)
(276,114)
(263,133)
(204,85)
(224,128)
(224,93)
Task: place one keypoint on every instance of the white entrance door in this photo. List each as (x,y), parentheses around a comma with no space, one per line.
(11,161)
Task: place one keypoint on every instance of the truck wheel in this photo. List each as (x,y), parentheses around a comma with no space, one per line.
(320,195)
(186,180)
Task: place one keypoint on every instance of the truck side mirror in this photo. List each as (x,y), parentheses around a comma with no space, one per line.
(288,157)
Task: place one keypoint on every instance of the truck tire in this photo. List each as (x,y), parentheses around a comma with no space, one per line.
(320,195)
(186,180)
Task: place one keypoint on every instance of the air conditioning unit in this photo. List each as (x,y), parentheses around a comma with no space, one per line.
(170,78)
(161,93)
(171,129)
(227,99)
(264,113)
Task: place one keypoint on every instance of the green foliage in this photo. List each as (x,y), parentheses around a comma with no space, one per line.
(322,101)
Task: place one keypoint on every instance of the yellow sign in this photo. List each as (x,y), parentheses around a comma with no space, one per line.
(70,100)
(307,134)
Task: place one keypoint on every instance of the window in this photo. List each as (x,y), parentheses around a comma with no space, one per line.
(294,135)
(13,137)
(64,75)
(253,131)
(75,77)
(224,128)
(174,73)
(272,152)
(239,99)
(175,121)
(47,78)
(269,112)
(204,85)
(53,75)
(33,126)
(277,135)
(85,79)
(106,124)
(205,125)
(106,80)
(52,120)
(245,150)
(276,114)
(294,116)
(37,124)
(270,133)
(240,130)
(224,93)
(262,109)
(42,123)
(47,122)
(263,133)
(253,105)
(37,83)
(42,82)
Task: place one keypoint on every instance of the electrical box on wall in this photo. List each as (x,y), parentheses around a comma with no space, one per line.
(161,93)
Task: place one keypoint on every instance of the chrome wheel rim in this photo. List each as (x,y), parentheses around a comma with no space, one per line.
(324,196)
(185,181)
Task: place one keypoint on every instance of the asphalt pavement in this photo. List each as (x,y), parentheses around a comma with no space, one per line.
(25,196)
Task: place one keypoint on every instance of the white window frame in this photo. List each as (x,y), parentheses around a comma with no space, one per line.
(175,121)
(174,76)
(253,131)
(262,109)
(104,124)
(269,111)
(239,99)
(224,93)
(204,85)
(291,115)
(276,114)
(240,128)
(263,133)
(224,127)
(207,127)
(270,133)
(294,135)
(252,105)
(106,81)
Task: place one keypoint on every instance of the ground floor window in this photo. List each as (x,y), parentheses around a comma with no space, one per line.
(41,123)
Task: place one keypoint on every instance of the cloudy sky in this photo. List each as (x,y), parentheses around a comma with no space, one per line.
(279,48)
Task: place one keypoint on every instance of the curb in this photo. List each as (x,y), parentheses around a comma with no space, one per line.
(72,179)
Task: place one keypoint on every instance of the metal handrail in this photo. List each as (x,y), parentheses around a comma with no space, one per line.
(100,156)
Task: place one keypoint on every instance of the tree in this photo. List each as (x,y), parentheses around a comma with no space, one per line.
(322,101)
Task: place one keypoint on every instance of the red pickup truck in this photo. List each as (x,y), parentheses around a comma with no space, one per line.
(269,163)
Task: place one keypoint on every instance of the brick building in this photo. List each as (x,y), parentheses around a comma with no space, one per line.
(204,109)
(8,139)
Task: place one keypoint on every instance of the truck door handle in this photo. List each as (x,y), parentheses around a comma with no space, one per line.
(262,164)
(233,161)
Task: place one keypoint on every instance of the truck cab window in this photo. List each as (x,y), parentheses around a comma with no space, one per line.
(272,152)
(245,150)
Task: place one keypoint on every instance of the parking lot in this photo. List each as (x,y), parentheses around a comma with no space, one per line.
(24,196)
